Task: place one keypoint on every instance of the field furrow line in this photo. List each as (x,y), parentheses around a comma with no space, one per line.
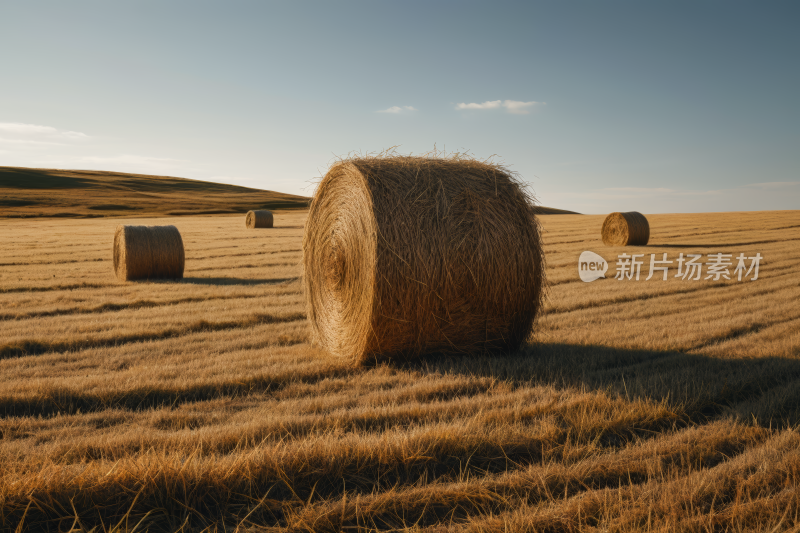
(35,347)
(56,262)
(688,288)
(66,287)
(69,401)
(244,266)
(245,254)
(736,333)
(745,231)
(187,280)
(441,502)
(113,307)
(271,418)
(759,486)
(625,298)
(703,387)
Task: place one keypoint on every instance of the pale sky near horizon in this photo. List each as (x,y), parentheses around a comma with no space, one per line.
(680,106)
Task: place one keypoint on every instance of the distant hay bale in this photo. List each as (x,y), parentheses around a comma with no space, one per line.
(148,252)
(406,255)
(626,229)
(259,219)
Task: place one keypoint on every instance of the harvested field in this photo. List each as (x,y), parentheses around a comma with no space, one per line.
(202,405)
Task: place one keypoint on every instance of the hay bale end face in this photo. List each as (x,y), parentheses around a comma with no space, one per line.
(259,219)
(626,229)
(148,252)
(408,255)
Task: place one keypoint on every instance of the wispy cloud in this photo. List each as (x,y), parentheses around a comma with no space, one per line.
(27,143)
(398,109)
(520,108)
(512,106)
(18,129)
(36,145)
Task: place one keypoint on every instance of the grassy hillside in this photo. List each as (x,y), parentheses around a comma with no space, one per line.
(35,192)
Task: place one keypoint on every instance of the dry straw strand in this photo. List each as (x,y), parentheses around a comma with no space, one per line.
(148,252)
(405,255)
(259,219)
(626,229)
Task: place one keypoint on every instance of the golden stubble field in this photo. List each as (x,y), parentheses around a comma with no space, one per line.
(204,405)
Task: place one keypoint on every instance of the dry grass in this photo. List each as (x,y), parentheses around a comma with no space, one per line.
(202,405)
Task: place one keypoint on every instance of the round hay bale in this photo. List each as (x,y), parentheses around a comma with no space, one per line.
(148,252)
(408,255)
(626,229)
(258,219)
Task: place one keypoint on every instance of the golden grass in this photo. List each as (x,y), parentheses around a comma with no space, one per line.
(203,405)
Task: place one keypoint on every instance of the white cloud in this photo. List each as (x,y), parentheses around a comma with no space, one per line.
(19,129)
(512,106)
(38,146)
(397,109)
(519,108)
(494,104)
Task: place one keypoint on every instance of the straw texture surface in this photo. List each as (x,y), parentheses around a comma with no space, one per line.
(259,219)
(409,255)
(148,252)
(626,229)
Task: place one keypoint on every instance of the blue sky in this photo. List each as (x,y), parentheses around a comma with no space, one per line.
(601,106)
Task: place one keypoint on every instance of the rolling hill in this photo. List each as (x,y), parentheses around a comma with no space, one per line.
(35,192)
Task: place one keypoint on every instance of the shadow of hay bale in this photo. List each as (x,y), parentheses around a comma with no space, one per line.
(237,281)
(765,389)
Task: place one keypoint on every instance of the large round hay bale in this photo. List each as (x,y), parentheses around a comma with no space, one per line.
(408,255)
(258,219)
(148,252)
(626,229)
